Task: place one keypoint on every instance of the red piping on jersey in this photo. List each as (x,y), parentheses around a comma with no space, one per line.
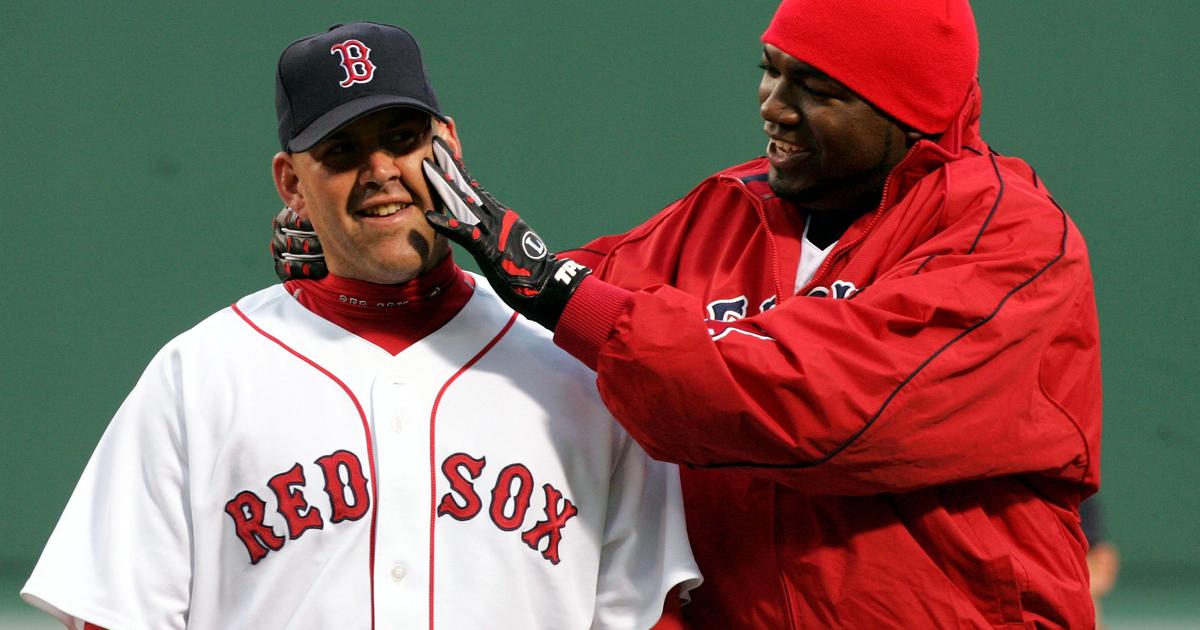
(366,430)
(432,448)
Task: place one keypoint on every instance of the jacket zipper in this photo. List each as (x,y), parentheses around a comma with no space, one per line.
(875,216)
(761,211)
(837,252)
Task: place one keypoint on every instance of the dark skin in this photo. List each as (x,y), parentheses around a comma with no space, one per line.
(830,150)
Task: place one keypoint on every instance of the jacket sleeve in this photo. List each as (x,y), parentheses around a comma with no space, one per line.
(974,356)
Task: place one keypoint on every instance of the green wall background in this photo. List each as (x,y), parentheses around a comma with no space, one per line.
(135,195)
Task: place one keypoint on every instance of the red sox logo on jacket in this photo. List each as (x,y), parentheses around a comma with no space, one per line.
(733,309)
(355,61)
(345,485)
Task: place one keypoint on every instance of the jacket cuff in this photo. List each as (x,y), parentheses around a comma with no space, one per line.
(589,318)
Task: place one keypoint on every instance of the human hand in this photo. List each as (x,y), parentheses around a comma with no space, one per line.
(295,248)
(514,259)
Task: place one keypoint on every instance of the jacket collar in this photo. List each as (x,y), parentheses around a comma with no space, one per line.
(962,139)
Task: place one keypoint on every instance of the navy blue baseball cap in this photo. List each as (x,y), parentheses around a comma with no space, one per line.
(329,79)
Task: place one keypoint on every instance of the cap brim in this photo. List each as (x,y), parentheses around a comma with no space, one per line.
(346,113)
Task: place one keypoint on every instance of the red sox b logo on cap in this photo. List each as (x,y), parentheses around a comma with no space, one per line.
(355,62)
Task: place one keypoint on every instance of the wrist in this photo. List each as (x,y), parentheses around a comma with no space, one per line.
(565,277)
(590,319)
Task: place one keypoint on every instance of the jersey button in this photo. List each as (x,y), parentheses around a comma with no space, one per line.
(398,572)
(398,424)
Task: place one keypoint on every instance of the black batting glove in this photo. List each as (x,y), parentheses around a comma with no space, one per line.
(296,249)
(514,259)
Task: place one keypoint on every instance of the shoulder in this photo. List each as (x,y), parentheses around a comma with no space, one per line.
(525,344)
(229,326)
(996,180)
(263,299)
(523,368)
(1002,197)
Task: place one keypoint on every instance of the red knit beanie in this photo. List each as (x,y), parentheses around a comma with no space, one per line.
(914,59)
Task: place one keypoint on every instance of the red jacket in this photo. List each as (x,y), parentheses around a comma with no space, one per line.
(910,452)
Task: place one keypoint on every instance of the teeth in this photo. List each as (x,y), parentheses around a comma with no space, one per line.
(785,147)
(384,210)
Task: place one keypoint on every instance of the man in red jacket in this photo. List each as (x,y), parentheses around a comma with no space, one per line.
(875,350)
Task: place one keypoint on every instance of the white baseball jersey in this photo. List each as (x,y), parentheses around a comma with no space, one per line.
(271,470)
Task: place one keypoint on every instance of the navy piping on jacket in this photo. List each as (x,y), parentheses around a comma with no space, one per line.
(986,221)
(565,252)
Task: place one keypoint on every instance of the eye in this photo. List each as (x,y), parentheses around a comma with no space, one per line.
(402,137)
(339,148)
(814,91)
(338,154)
(402,140)
(768,68)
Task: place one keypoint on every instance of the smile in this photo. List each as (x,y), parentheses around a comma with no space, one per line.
(385,210)
(784,149)
(784,155)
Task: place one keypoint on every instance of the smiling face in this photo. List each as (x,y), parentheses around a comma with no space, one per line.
(365,193)
(828,148)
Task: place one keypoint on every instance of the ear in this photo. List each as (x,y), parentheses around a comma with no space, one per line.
(287,183)
(448,132)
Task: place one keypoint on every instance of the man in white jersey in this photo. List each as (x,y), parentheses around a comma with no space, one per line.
(415,483)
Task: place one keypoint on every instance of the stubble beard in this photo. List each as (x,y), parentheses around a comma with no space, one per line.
(864,187)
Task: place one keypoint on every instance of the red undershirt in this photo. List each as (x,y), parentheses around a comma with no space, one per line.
(391,316)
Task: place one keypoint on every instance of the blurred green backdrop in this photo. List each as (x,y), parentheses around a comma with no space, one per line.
(136,194)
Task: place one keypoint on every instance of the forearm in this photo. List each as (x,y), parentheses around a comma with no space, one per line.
(858,396)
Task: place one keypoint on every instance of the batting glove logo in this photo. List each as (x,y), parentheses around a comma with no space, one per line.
(534,248)
(567,271)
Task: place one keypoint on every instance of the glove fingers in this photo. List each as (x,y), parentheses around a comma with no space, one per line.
(296,248)
(456,172)
(453,199)
(287,241)
(293,269)
(459,174)
(290,219)
(466,235)
(450,164)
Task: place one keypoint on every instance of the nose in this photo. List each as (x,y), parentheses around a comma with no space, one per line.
(379,168)
(775,106)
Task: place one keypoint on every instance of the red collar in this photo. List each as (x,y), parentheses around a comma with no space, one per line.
(392,316)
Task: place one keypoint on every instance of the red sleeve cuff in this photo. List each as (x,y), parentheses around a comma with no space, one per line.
(589,319)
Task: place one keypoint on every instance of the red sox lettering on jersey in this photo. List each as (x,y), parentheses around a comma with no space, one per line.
(355,60)
(346,487)
(468,504)
(248,510)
